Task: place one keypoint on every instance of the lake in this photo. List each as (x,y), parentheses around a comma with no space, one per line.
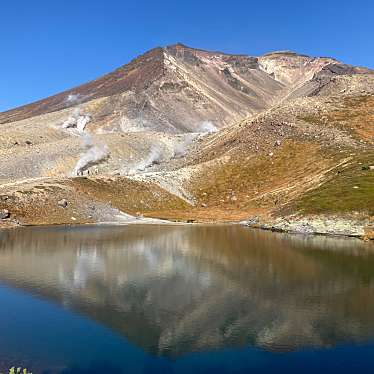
(184,299)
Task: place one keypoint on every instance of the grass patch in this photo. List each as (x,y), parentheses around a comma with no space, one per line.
(347,190)
(242,181)
(128,195)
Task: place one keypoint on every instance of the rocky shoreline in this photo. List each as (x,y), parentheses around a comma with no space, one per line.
(295,224)
(317,225)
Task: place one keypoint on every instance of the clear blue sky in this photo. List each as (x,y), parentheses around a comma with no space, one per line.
(47,46)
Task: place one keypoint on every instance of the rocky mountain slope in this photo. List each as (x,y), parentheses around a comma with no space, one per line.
(282,140)
(174,89)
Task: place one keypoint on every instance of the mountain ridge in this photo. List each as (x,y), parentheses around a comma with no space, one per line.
(136,75)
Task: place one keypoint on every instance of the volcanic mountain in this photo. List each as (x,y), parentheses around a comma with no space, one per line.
(188,134)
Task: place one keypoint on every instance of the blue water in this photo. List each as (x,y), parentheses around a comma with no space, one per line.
(78,316)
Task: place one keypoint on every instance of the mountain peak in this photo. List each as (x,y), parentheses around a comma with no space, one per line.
(230,82)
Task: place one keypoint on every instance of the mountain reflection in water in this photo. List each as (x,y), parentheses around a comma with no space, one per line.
(171,290)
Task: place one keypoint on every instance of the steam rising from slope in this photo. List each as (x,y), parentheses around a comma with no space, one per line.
(131,125)
(82,122)
(152,158)
(77,120)
(72,98)
(180,148)
(207,127)
(94,155)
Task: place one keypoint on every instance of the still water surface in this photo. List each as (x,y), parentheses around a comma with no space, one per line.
(184,299)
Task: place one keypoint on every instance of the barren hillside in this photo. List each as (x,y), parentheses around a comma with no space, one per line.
(282,140)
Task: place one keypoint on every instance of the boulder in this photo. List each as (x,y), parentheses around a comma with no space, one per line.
(4,214)
(253,221)
(63,203)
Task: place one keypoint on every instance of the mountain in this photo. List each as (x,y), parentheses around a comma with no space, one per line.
(174,89)
(188,134)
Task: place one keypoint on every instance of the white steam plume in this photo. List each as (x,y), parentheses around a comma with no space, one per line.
(82,122)
(72,119)
(77,120)
(152,158)
(207,127)
(131,125)
(93,155)
(72,98)
(180,148)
